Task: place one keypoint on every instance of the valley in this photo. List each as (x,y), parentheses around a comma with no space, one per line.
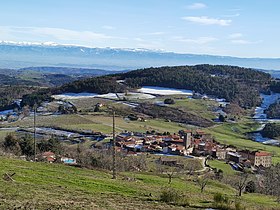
(151,126)
(139,105)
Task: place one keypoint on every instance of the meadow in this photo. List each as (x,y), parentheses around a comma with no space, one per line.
(55,186)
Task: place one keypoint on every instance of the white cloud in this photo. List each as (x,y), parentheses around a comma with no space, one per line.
(199,40)
(108,27)
(204,20)
(139,39)
(243,41)
(235,36)
(232,15)
(197,6)
(46,33)
(235,9)
(66,34)
(155,33)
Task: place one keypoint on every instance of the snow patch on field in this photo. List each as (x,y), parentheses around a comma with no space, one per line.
(74,96)
(10,111)
(164,91)
(266,101)
(114,96)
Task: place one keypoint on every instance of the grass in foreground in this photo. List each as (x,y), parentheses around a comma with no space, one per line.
(42,186)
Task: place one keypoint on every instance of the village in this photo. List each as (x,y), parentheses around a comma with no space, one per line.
(187,143)
(192,144)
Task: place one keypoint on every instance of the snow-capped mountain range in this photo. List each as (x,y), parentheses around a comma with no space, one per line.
(26,54)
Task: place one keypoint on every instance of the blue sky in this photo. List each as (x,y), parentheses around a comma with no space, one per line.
(244,28)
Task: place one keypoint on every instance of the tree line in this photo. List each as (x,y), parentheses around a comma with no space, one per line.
(235,84)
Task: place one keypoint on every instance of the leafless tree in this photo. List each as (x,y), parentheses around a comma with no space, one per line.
(241,182)
(271,180)
(237,181)
(203,180)
(170,171)
(191,166)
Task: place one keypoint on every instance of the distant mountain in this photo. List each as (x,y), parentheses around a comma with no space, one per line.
(48,76)
(21,55)
(273,73)
(68,71)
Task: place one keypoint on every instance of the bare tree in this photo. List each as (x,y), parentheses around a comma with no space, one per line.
(203,180)
(170,174)
(191,166)
(271,180)
(242,182)
(170,171)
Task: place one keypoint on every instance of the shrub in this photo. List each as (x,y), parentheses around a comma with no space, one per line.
(250,187)
(221,201)
(169,101)
(173,196)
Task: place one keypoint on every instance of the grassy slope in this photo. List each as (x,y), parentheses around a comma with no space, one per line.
(98,122)
(42,185)
(3,134)
(200,107)
(221,165)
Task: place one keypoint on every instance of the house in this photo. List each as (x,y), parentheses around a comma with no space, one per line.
(181,150)
(201,134)
(262,159)
(233,156)
(219,153)
(48,156)
(170,149)
(257,158)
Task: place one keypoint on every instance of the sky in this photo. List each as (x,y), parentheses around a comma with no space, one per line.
(242,28)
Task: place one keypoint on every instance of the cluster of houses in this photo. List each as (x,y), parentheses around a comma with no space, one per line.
(197,143)
(50,157)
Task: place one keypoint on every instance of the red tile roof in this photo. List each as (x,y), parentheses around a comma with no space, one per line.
(262,154)
(47,154)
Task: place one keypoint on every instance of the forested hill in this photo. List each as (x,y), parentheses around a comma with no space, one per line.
(235,84)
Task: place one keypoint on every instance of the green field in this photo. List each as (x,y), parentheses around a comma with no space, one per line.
(99,122)
(54,186)
(222,165)
(3,134)
(201,107)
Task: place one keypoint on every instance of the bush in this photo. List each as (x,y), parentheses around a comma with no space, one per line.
(250,187)
(238,206)
(169,101)
(221,201)
(173,196)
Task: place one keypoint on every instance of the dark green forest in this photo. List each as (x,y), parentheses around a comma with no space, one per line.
(9,93)
(273,111)
(238,85)
(271,130)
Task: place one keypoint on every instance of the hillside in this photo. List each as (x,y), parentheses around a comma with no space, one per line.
(273,111)
(55,186)
(235,84)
